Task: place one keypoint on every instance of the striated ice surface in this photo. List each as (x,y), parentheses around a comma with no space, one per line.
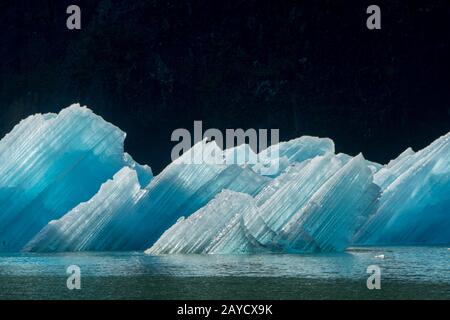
(273,160)
(333,214)
(207,228)
(415,204)
(300,149)
(92,224)
(241,155)
(66,184)
(49,163)
(315,206)
(122,216)
(144,172)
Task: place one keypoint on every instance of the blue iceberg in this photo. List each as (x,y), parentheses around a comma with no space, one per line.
(123,215)
(49,164)
(415,204)
(66,184)
(207,228)
(316,206)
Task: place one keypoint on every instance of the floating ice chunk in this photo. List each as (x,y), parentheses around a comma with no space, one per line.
(415,204)
(91,225)
(55,194)
(235,238)
(329,217)
(288,193)
(135,219)
(266,227)
(181,190)
(50,163)
(316,205)
(200,232)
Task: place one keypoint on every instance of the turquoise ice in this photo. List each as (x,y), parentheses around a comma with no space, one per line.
(66,184)
(49,163)
(125,216)
(315,206)
(415,204)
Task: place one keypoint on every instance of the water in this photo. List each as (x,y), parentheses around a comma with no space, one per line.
(407,273)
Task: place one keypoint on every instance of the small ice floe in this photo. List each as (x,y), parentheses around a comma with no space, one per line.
(379,256)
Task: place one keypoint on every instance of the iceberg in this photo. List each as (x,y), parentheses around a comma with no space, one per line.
(415,204)
(92,224)
(49,163)
(66,184)
(124,216)
(312,201)
(334,213)
(206,228)
(315,206)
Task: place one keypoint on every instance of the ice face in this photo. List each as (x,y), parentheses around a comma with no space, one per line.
(121,216)
(273,160)
(92,224)
(300,149)
(415,203)
(279,156)
(315,206)
(67,185)
(50,163)
(333,214)
(203,231)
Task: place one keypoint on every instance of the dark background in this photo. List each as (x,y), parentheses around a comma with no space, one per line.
(307,68)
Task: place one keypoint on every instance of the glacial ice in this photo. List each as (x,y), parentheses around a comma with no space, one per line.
(122,216)
(276,158)
(415,204)
(273,160)
(49,163)
(66,184)
(315,206)
(91,224)
(207,227)
(319,204)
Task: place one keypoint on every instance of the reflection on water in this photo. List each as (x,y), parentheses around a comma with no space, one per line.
(422,266)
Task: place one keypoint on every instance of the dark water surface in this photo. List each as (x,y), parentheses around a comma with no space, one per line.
(406,273)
